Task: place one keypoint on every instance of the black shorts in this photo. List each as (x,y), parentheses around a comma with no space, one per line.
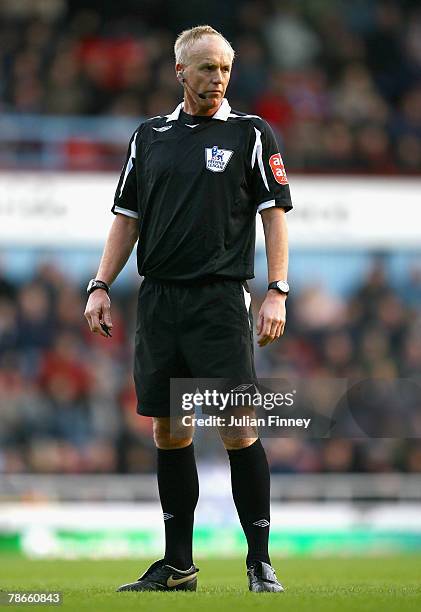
(200,331)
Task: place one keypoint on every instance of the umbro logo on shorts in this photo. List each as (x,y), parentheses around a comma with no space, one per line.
(261,523)
(216,159)
(167,516)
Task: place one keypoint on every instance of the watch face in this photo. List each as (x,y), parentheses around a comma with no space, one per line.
(283,286)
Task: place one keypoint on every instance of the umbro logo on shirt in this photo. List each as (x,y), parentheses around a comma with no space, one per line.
(216,159)
(162,129)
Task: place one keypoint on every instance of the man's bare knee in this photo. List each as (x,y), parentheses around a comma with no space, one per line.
(239,436)
(169,433)
(237,442)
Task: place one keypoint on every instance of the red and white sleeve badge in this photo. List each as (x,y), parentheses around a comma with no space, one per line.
(278,169)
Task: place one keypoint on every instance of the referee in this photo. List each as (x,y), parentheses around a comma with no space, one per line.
(189,192)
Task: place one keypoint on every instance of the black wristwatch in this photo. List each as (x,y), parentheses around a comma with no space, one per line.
(280,285)
(96,284)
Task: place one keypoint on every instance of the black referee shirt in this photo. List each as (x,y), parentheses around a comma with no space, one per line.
(195,184)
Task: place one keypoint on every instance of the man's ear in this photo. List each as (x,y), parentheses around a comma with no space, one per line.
(179,70)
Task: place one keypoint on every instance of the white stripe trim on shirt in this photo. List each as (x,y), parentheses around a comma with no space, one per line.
(234,116)
(258,153)
(126,211)
(268,204)
(129,164)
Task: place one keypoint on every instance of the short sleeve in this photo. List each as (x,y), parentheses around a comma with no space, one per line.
(269,180)
(125,199)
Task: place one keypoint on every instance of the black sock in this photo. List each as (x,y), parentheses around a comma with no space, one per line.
(179,491)
(250,480)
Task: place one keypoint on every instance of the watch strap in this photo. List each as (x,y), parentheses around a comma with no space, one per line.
(97,284)
(274,285)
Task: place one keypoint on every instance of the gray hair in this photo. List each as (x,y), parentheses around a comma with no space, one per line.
(187,38)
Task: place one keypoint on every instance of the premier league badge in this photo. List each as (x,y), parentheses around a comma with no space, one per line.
(217,159)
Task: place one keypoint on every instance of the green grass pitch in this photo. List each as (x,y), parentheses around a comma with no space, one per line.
(378,584)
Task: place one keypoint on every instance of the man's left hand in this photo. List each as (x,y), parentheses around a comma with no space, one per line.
(272,318)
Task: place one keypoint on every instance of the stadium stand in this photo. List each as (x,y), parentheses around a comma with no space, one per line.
(339,82)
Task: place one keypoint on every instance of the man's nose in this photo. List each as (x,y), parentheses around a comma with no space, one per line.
(217,76)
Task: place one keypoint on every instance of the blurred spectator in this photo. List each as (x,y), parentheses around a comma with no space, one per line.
(8,326)
(7,288)
(338,147)
(273,104)
(409,153)
(414,459)
(373,150)
(62,371)
(355,98)
(292,43)
(67,91)
(317,309)
(35,329)
(409,120)
(290,455)
(250,71)
(338,456)
(371,292)
(412,289)
(384,49)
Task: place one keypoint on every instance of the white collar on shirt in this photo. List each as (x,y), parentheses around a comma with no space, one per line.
(222,113)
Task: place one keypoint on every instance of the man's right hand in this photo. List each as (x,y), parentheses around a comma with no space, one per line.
(97,311)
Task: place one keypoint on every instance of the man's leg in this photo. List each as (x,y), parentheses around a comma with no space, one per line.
(178,490)
(157,360)
(250,481)
(217,342)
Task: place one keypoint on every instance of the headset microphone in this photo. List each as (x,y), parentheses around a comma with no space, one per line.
(202,96)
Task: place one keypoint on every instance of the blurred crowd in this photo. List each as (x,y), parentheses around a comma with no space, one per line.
(67,397)
(340,82)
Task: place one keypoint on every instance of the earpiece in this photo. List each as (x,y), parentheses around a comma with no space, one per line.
(182,80)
